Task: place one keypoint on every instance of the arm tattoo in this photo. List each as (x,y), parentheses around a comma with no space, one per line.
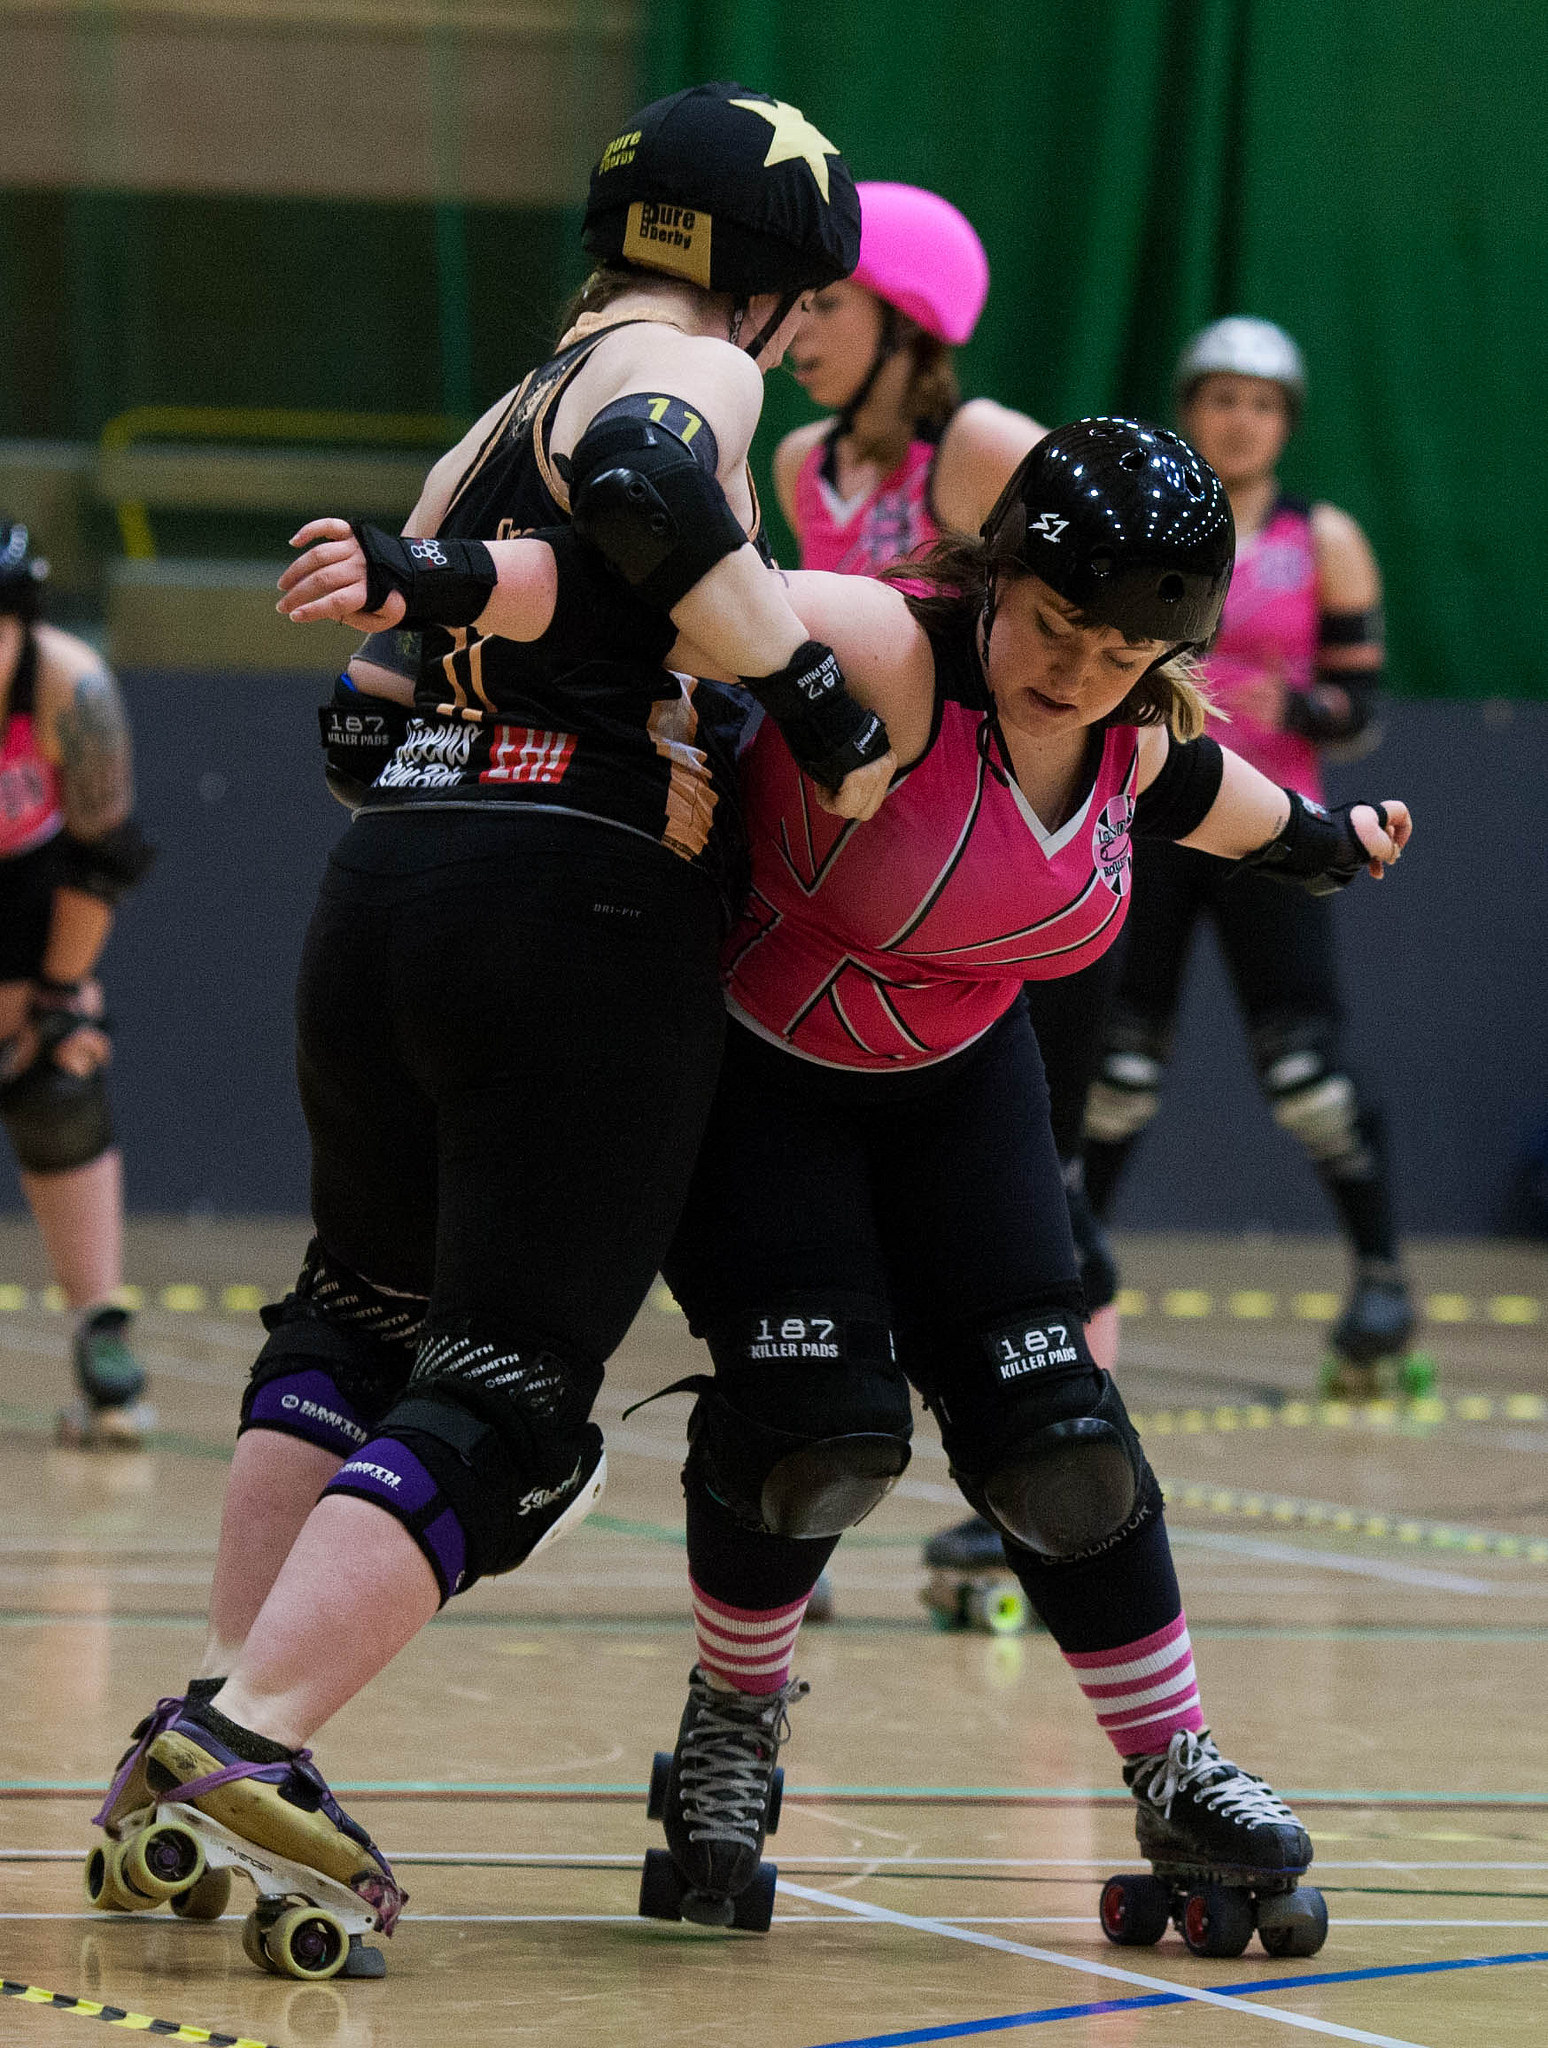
(93,738)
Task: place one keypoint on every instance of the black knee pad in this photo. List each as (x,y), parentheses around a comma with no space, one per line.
(806,1425)
(57,1121)
(488,1455)
(1037,1434)
(338,1356)
(1312,1097)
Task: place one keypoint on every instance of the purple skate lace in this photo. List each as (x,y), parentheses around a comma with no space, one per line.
(384,1893)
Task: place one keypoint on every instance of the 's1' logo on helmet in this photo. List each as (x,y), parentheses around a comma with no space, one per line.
(1049,525)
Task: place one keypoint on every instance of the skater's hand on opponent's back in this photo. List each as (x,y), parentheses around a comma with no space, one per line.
(329,581)
(1385,848)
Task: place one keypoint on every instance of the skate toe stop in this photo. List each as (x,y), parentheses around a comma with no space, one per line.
(362,1961)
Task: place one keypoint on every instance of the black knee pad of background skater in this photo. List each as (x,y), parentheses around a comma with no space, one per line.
(1093,1250)
(1037,1434)
(57,1121)
(806,1424)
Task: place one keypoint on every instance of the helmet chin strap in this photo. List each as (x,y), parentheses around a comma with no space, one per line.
(783,308)
(889,340)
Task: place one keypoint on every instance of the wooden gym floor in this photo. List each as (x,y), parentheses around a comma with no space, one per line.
(1369,1601)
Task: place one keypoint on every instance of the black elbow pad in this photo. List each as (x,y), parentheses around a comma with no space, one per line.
(641,497)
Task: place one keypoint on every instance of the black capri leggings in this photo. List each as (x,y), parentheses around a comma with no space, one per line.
(510,1029)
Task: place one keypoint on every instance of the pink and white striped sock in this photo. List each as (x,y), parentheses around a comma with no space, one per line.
(746,1647)
(1144,1691)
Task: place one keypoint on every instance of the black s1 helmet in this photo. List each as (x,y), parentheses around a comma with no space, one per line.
(22,573)
(1126,523)
(729,190)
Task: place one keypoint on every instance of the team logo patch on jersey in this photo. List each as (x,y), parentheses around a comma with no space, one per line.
(431,757)
(521,753)
(1112,848)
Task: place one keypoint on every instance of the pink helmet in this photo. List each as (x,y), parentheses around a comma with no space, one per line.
(919,254)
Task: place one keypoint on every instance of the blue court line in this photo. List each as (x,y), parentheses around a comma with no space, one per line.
(1045,2014)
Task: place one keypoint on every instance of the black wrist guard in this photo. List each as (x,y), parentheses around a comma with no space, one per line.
(442,582)
(360,735)
(829,734)
(1314,716)
(1318,849)
(109,867)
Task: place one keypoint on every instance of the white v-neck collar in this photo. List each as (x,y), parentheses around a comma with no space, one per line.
(1052,843)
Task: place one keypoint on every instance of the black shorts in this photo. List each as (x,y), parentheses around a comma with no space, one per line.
(509,1032)
(27,886)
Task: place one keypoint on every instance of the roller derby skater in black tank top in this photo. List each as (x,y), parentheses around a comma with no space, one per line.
(69,852)
(509,1013)
(1297,667)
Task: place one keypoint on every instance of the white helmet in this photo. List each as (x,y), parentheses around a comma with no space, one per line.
(1244,348)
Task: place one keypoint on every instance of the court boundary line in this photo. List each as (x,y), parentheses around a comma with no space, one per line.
(1181,1993)
(959,2030)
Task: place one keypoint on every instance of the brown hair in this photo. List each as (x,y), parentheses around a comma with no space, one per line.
(933,393)
(956,575)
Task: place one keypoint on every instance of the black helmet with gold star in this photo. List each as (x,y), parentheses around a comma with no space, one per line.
(727,189)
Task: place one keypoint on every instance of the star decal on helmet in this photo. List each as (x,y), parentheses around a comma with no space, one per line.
(794,136)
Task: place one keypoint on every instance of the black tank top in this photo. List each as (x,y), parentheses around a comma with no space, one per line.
(503,722)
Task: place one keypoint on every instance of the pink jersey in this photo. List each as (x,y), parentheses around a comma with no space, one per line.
(1271,626)
(863,536)
(30,809)
(895,943)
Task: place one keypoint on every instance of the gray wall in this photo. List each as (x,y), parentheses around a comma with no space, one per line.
(1445,974)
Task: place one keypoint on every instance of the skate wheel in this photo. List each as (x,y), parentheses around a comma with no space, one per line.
(1340,1379)
(776,1801)
(106,1887)
(1293,1923)
(656,1797)
(997,1609)
(661,1887)
(946,1599)
(161,1862)
(1217,1920)
(307,1942)
(205,1899)
(253,1948)
(752,1910)
(1135,1911)
(1418,1375)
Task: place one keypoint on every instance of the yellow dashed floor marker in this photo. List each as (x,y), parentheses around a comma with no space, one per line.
(12,1299)
(1132,1301)
(1514,1308)
(184,1300)
(1347,1521)
(53,1300)
(1315,1306)
(116,2016)
(1188,1302)
(1253,1305)
(1448,1308)
(662,1298)
(242,1301)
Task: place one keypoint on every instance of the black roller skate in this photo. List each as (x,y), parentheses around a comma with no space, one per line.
(1227,1854)
(822,1607)
(970,1584)
(186,1808)
(717,1796)
(108,1410)
(1369,1354)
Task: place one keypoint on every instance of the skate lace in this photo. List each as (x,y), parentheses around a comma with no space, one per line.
(727,1759)
(1193,1764)
(161,1716)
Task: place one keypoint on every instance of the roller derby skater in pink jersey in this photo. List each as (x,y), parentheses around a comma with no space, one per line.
(879,1201)
(69,852)
(1297,666)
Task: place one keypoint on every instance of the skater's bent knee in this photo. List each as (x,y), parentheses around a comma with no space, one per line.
(806,1425)
(488,1456)
(56,1121)
(1124,1096)
(1038,1437)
